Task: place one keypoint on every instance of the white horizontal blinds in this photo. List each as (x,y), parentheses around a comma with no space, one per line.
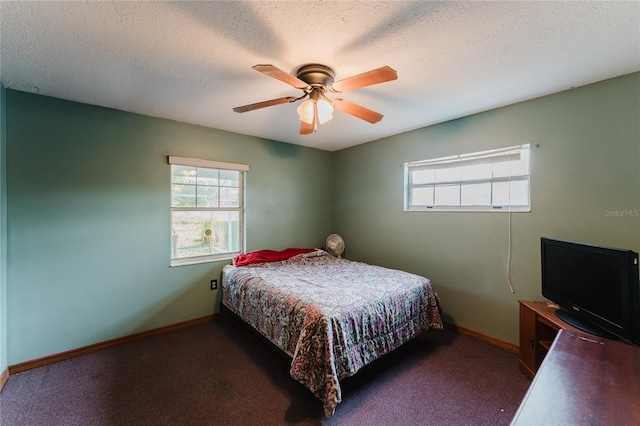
(196,162)
(463,160)
(483,180)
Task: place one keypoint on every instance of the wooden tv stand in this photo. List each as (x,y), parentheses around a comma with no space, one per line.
(539,326)
(584,381)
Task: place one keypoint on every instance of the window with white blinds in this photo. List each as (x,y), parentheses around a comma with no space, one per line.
(496,180)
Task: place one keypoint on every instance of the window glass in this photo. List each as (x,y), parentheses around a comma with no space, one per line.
(423,176)
(448,174)
(515,193)
(207,177)
(476,171)
(475,194)
(229,178)
(447,195)
(183,174)
(183,195)
(422,196)
(202,233)
(207,196)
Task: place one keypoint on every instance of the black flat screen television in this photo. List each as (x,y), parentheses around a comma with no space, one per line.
(597,288)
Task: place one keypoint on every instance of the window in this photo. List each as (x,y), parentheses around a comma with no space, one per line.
(207,214)
(496,180)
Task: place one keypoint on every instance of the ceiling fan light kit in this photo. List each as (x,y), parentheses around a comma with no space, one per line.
(315,80)
(317,108)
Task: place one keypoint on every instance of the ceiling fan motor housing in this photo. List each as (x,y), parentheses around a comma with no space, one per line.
(316,75)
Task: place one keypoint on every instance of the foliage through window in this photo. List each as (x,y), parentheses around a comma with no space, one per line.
(496,180)
(207,199)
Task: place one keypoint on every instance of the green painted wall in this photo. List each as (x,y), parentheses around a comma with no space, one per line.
(585,186)
(88,222)
(3,232)
(88,219)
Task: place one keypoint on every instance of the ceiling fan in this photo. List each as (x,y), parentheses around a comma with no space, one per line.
(316,80)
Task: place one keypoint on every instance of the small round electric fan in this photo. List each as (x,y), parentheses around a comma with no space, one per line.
(335,244)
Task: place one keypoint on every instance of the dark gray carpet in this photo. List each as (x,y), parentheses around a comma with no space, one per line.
(219,373)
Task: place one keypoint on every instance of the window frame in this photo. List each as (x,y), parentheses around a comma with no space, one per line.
(210,165)
(476,158)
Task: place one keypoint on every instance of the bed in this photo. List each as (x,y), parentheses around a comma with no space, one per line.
(332,316)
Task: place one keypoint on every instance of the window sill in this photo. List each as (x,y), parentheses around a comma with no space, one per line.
(470,210)
(198,260)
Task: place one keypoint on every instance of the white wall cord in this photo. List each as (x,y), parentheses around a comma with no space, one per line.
(509,255)
(509,242)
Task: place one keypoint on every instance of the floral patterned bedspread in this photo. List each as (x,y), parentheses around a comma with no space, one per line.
(332,316)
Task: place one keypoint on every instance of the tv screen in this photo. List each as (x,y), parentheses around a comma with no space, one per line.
(596,287)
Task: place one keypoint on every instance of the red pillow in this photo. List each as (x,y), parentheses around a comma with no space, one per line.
(261,256)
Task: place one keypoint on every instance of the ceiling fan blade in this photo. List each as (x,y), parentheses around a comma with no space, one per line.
(306,128)
(379,75)
(264,104)
(357,111)
(278,74)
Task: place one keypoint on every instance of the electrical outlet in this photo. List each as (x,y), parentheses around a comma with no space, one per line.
(214,284)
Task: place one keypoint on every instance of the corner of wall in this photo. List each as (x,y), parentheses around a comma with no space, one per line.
(3,240)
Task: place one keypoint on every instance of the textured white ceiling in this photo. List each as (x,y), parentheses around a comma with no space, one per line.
(191,61)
